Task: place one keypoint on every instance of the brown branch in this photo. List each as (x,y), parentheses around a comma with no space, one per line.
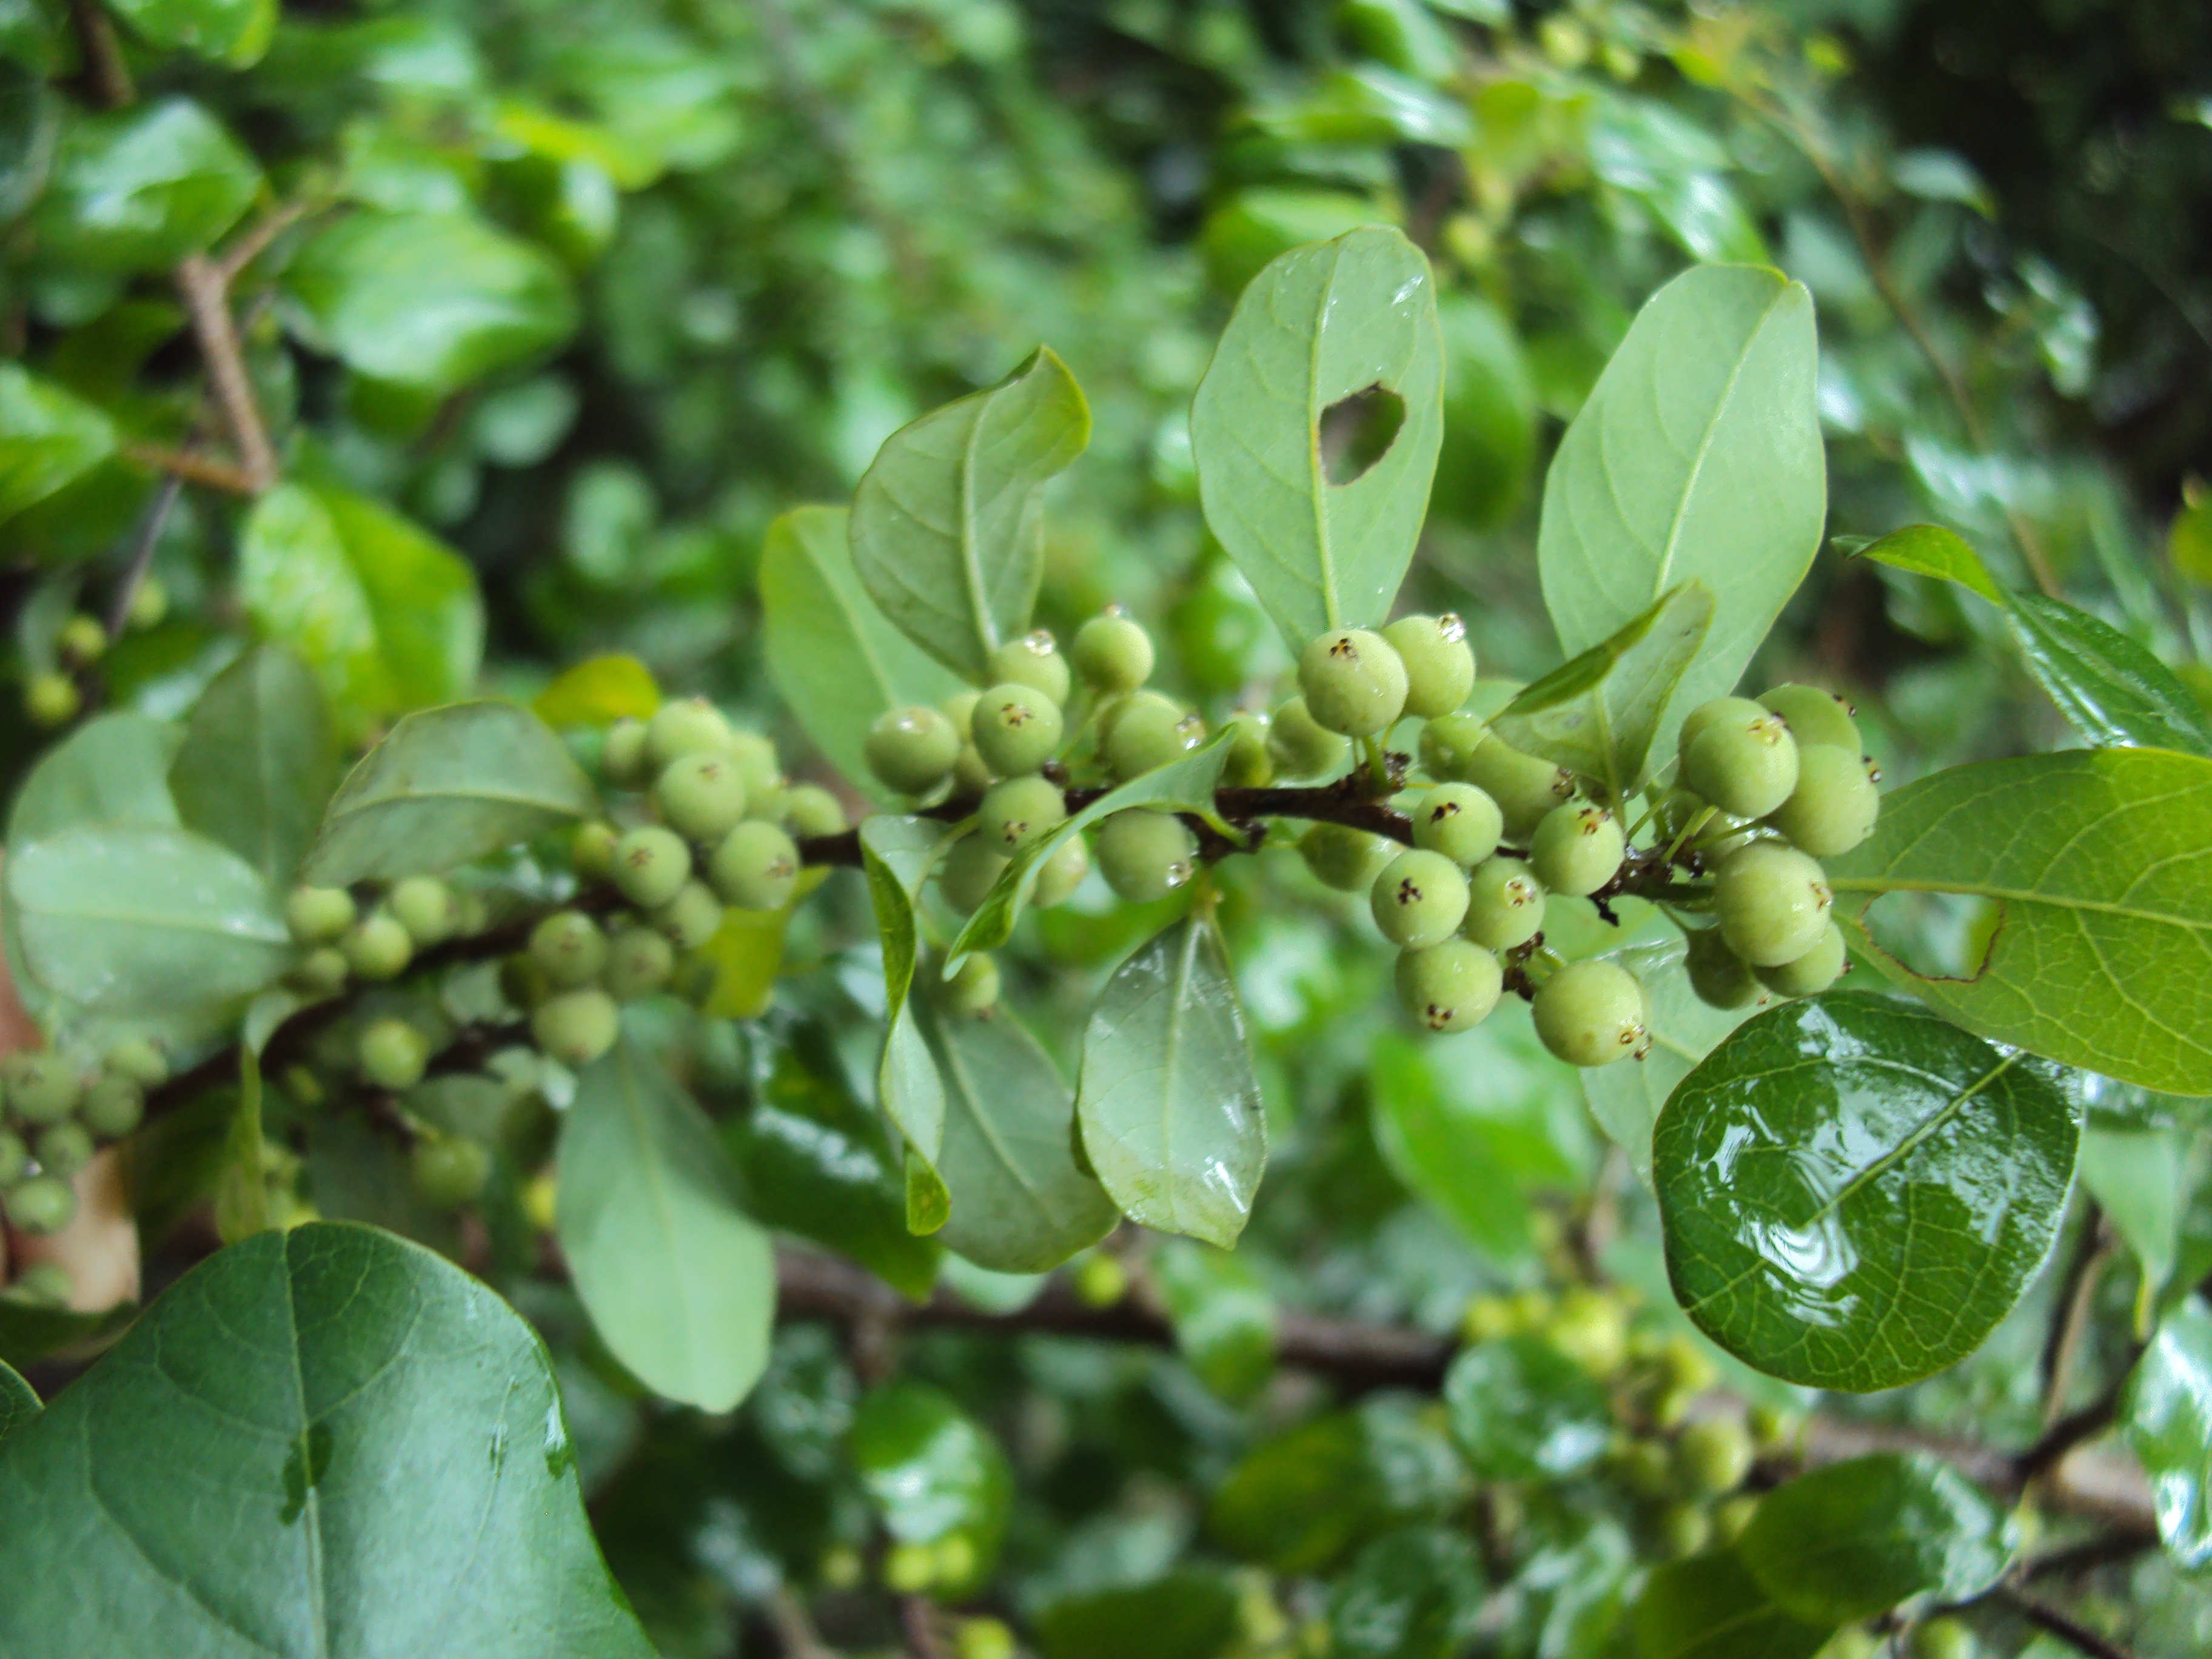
(2044,1617)
(103,53)
(192,467)
(206,291)
(920,1640)
(2068,1432)
(249,247)
(2077,1292)
(2106,1550)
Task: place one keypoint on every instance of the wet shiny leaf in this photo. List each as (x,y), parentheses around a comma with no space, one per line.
(933,1471)
(2167,1412)
(1927,549)
(1709,1607)
(141,188)
(1416,1594)
(897,854)
(237,32)
(2110,688)
(1521,1410)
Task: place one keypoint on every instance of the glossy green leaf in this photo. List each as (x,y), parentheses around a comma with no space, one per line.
(1521,1410)
(2112,690)
(1223,1319)
(18,1402)
(2167,1412)
(599,691)
(140,188)
(835,660)
(1854,1192)
(1414,1593)
(237,32)
(49,438)
(679,1283)
(1709,1607)
(896,855)
(1321,325)
(1171,1112)
(257,762)
(326,1440)
(933,1471)
(1852,1539)
(1596,714)
(1627,1100)
(1928,550)
(1189,1613)
(1698,457)
(947,527)
(447,786)
(430,301)
(2101,872)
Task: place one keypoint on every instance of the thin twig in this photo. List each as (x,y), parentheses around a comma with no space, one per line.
(2106,1549)
(2075,1293)
(793,1628)
(207,300)
(103,53)
(921,1641)
(192,467)
(142,552)
(250,246)
(2044,1617)
(2069,1432)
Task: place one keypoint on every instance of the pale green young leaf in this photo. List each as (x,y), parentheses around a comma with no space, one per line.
(2112,690)
(259,761)
(599,691)
(1928,550)
(110,771)
(2167,1412)
(1627,1100)
(241,1187)
(49,438)
(2144,1178)
(1709,1607)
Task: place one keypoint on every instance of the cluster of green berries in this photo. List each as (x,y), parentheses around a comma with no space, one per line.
(343,939)
(51,698)
(55,1112)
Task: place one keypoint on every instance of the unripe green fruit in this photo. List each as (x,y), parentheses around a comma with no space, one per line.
(81,640)
(1852,1642)
(149,603)
(1772,903)
(449,1171)
(1016,728)
(1150,730)
(114,1107)
(1505,904)
(1447,746)
(46,1284)
(52,700)
(393,1054)
(1145,856)
(701,795)
(1353,682)
(323,971)
(1020,810)
(1834,807)
(1250,764)
(1643,1467)
(622,756)
(1943,1637)
(756,867)
(63,1149)
(140,1059)
(691,917)
(592,849)
(1300,745)
(1061,874)
(1112,653)
(1813,972)
(912,749)
(1350,861)
(759,767)
(970,870)
(569,947)
(983,1638)
(909,1569)
(1682,1529)
(14,1158)
(1712,1456)
(42,1087)
(1439,662)
(955,1559)
(1590,1327)
(1459,821)
(1451,986)
(1814,716)
(1740,710)
(813,810)
(576,1027)
(1033,660)
(1747,766)
(974,987)
(639,962)
(426,907)
(1577,849)
(1721,978)
(691,726)
(1524,786)
(1419,899)
(651,866)
(44,1204)
(1101,1279)
(377,948)
(316,915)
(1591,1013)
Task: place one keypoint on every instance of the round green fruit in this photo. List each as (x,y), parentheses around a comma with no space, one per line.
(449,1171)
(1816,971)
(570,949)
(1591,1013)
(1016,729)
(970,870)
(1112,653)
(983,1638)
(756,867)
(639,962)
(652,864)
(140,1059)
(114,1107)
(1348,859)
(813,812)
(1834,804)
(759,768)
(1577,849)
(1439,662)
(1300,745)
(14,1158)
(1353,682)
(1033,660)
(426,907)
(63,1149)
(1772,903)
(317,915)
(1524,786)
(1419,899)
(973,988)
(592,849)
(1250,764)
(44,1204)
(393,1054)
(42,1087)
(1814,716)
(1145,856)
(701,796)
(576,1027)
(1061,874)
(52,700)
(1451,986)
(692,917)
(1682,1529)
(690,726)
(323,971)
(1743,765)
(1101,1279)
(1150,730)
(622,756)
(912,749)
(1712,1456)
(1942,1638)
(1447,746)
(1020,810)
(909,1569)
(81,640)
(1505,904)
(149,603)
(1458,820)
(1721,978)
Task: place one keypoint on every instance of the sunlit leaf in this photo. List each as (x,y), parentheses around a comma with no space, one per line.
(1928,550)
(599,691)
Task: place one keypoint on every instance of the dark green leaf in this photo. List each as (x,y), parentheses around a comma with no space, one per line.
(139,189)
(49,438)
(1521,1410)
(1224,1318)
(1928,550)
(1415,1594)
(933,1471)
(19,1402)
(257,762)
(2113,690)
(235,31)
(2167,1412)
(1189,1613)
(1854,1192)
(1490,413)
(1709,1607)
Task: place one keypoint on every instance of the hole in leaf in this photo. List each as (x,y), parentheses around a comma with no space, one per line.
(1937,935)
(1357,431)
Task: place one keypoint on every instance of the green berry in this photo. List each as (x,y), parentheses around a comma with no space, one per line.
(1419,899)
(1744,763)
(692,917)
(149,603)
(1577,849)
(426,907)
(449,1171)
(1112,653)
(970,870)
(393,1054)
(1033,660)
(1834,807)
(639,962)
(1942,1638)
(1524,786)
(912,749)
(1020,810)
(755,867)
(701,795)
(956,1559)
(1451,986)
(1300,745)
(1447,746)
(317,915)
(983,1638)
(1348,859)
(1353,682)
(1459,821)
(1814,716)
(114,1107)
(44,1204)
(1251,764)
(1772,903)
(1644,1469)
(42,1087)
(971,777)
(323,971)
(568,946)
(377,948)
(1505,904)
(14,1158)
(592,849)
(81,640)
(576,1027)
(651,866)
(52,700)
(1721,978)
(622,756)
(1852,1642)
(63,1149)
(1439,662)
(759,768)
(1101,1279)
(1145,856)
(909,1569)
(813,812)
(48,1284)
(691,726)
(1061,874)
(1591,1013)
(139,1059)
(1016,729)
(974,987)
(1712,1456)
(1149,731)
(1682,1529)
(1816,971)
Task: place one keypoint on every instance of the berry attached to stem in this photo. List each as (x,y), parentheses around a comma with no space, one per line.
(1016,728)
(912,749)
(1145,856)
(1439,662)
(1451,986)
(1591,1013)
(1353,682)
(1577,849)
(1460,821)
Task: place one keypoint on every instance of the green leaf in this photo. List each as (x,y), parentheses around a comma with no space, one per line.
(1224,1318)
(1521,1410)
(933,1471)
(1597,713)
(241,1190)
(137,919)
(1489,414)
(2167,1412)
(897,855)
(237,32)
(835,659)
(2142,1178)
(1853,1540)
(430,301)
(257,762)
(1696,457)
(679,1282)
(2100,870)
(1709,1607)
(140,189)
(1321,325)
(110,771)
(387,616)
(2112,690)
(1928,550)
(1190,1613)
(49,438)
(447,787)
(599,691)
(1627,1100)
(1171,1112)
(1854,1192)
(18,1402)
(1414,1593)
(322,1441)
(947,526)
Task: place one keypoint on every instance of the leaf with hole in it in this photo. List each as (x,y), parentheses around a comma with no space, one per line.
(1696,457)
(1709,1607)
(2112,689)
(1853,1192)
(2099,869)
(1320,326)
(1627,1100)
(447,786)
(1928,550)
(947,526)
(1597,713)
(838,664)
(259,761)
(49,438)
(2167,1412)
